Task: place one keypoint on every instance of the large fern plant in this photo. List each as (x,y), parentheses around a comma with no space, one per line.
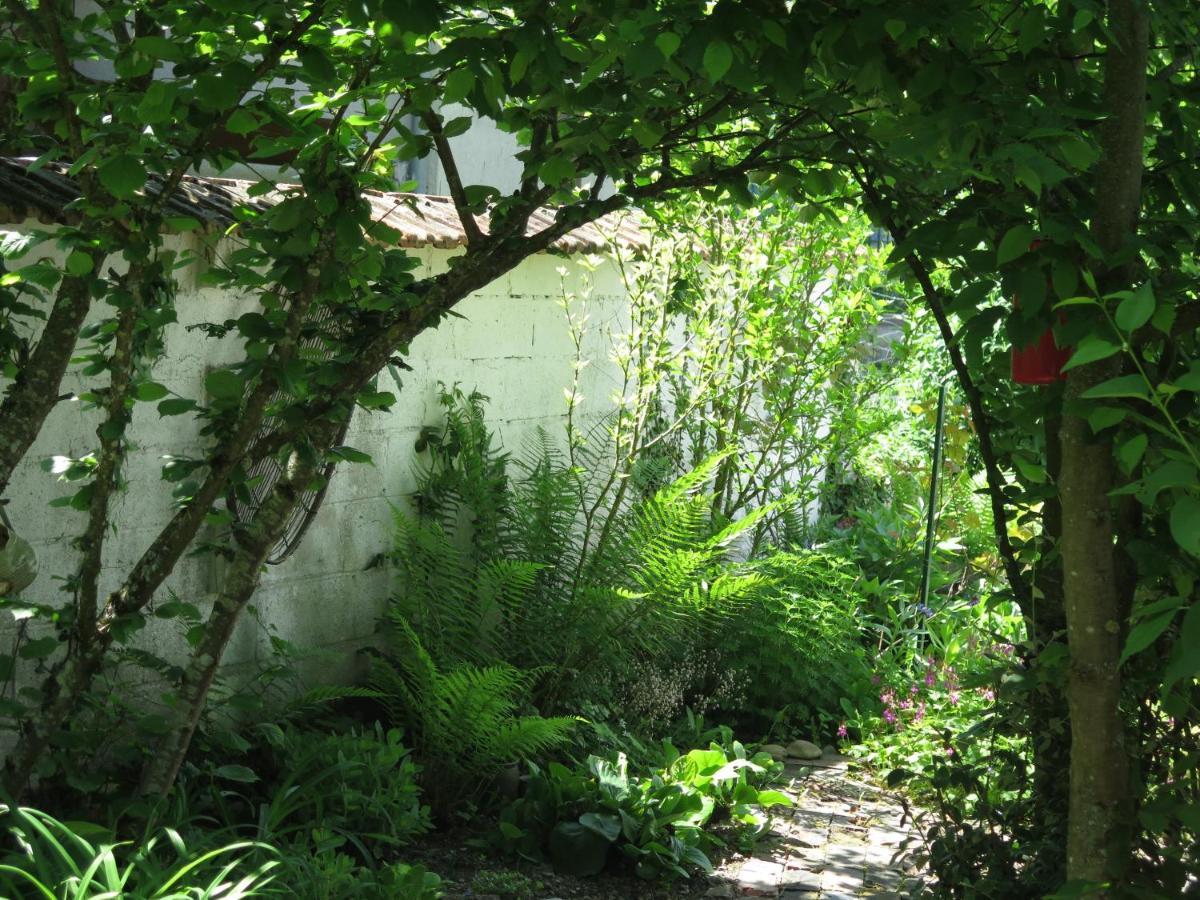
(567,565)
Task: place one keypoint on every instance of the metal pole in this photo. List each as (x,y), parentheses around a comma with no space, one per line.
(931,511)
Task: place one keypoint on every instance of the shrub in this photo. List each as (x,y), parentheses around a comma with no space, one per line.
(799,640)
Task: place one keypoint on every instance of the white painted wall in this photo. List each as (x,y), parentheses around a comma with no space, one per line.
(513,345)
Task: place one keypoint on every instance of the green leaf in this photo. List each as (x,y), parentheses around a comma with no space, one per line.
(718,57)
(1130,453)
(223,384)
(1185,524)
(1123,386)
(176,406)
(1189,380)
(349,454)
(123,175)
(774,33)
(1185,655)
(150,390)
(182,224)
(557,169)
(1105,417)
(1014,244)
(773,798)
(1136,310)
(576,850)
(79,264)
(242,774)
(1079,154)
(154,45)
(1091,348)
(1172,473)
(241,121)
(607,826)
(458,84)
(1146,633)
(667,43)
(39,649)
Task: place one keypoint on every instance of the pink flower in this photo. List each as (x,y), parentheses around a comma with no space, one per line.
(949,751)
(912,689)
(842,732)
(954,698)
(889,717)
(906,703)
(920,713)
(988,694)
(930,678)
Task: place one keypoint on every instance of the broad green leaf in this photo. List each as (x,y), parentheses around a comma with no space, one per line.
(1130,453)
(1185,523)
(153,45)
(1123,386)
(1135,311)
(242,774)
(1092,348)
(39,648)
(557,169)
(223,384)
(123,175)
(458,85)
(1014,244)
(774,33)
(1146,633)
(1105,417)
(607,826)
(1173,473)
(1031,471)
(667,43)
(718,57)
(176,406)
(241,121)
(1189,380)
(150,390)
(1185,655)
(79,264)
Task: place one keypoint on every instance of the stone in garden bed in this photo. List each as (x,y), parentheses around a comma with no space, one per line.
(802,749)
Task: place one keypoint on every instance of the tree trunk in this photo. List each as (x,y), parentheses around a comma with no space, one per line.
(1099,788)
(35,391)
(1049,715)
(264,530)
(1100,812)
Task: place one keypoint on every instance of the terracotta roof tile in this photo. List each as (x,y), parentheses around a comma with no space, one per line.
(422,220)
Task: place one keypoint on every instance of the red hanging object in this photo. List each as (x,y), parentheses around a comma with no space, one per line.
(1040,362)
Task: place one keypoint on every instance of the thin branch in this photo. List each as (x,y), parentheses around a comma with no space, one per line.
(433,122)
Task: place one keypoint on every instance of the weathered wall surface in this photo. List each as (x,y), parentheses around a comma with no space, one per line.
(514,345)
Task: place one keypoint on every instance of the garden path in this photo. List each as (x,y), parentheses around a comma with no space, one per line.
(843,839)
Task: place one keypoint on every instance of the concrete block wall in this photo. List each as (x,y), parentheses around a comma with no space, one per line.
(513,344)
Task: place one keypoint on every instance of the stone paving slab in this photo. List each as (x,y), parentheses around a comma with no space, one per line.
(843,840)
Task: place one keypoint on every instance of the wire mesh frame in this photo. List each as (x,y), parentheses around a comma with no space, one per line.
(265,474)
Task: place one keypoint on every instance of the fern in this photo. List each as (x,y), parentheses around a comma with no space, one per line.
(586,563)
(463,720)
